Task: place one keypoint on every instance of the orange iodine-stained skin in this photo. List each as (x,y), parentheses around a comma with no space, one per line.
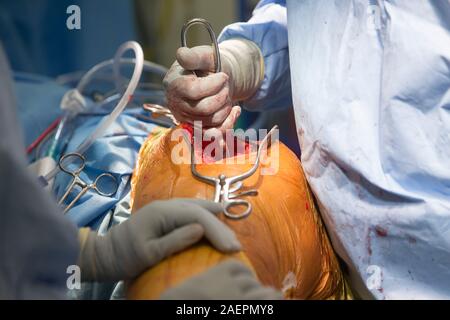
(283,239)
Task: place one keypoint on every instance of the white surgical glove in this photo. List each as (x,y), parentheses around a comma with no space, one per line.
(211,97)
(230,280)
(151,234)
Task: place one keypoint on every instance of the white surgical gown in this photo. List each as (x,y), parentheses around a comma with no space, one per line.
(370,88)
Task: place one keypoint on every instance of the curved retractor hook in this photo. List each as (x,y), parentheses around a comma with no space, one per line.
(212,35)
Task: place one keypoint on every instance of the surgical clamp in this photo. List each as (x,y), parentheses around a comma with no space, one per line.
(77,181)
(225,187)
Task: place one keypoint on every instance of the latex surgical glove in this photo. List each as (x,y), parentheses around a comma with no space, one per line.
(151,234)
(211,97)
(229,280)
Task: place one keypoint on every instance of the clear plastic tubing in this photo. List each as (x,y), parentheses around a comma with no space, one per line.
(127,96)
(150,66)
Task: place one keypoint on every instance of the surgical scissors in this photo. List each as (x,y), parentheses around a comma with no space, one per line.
(225,187)
(77,181)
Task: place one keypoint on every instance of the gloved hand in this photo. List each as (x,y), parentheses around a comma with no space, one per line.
(211,96)
(150,235)
(228,280)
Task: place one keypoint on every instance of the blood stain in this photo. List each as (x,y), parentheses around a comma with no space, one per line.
(380,231)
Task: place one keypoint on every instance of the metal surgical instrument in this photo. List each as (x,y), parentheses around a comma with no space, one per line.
(212,35)
(226,187)
(77,181)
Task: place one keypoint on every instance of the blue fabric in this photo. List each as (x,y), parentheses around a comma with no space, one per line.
(36,39)
(268,29)
(116,153)
(38,99)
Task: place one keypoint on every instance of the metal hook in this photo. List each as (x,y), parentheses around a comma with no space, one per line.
(212,35)
(226,188)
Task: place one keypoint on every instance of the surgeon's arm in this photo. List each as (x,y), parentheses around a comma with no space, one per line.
(159,230)
(267,28)
(151,234)
(255,65)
